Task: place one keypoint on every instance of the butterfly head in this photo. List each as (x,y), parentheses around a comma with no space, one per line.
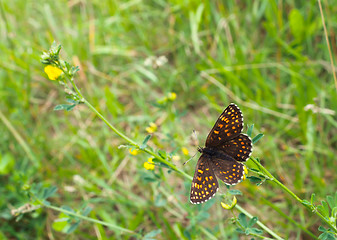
(200,149)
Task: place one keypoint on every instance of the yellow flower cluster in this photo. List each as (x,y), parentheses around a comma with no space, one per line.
(171,96)
(151,128)
(149,165)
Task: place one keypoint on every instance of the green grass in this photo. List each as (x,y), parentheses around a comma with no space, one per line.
(270,58)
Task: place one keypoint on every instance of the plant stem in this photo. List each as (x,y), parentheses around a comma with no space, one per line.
(264,227)
(273,179)
(130,141)
(288,218)
(112,226)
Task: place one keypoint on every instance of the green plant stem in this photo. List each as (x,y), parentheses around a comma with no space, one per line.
(130,141)
(273,179)
(264,227)
(112,226)
(133,143)
(288,218)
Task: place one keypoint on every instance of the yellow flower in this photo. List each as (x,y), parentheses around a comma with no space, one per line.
(149,165)
(184,150)
(246,172)
(229,207)
(152,128)
(133,151)
(52,72)
(171,96)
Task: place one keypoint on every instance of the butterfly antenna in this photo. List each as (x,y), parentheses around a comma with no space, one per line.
(194,139)
(190,159)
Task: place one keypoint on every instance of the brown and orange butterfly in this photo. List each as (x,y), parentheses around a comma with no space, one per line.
(225,148)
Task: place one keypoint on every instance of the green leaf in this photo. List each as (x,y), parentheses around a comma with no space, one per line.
(242,219)
(296,23)
(254,170)
(66,107)
(144,144)
(324,209)
(70,107)
(250,130)
(255,231)
(331,201)
(326,235)
(48,192)
(59,224)
(7,163)
(71,228)
(68,209)
(72,101)
(306,203)
(234,192)
(187,234)
(86,211)
(334,212)
(152,234)
(160,164)
(162,153)
(255,180)
(313,198)
(257,138)
(252,221)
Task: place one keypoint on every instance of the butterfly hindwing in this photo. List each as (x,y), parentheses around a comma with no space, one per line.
(230,172)
(238,148)
(229,125)
(204,184)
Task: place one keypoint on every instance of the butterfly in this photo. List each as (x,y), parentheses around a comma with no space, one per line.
(225,148)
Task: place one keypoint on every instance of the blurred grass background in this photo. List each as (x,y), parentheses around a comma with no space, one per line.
(269,57)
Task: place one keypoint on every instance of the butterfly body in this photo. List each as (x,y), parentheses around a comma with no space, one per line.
(225,148)
(213,153)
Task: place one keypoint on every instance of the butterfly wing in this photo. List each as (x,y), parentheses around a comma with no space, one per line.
(238,148)
(204,184)
(230,172)
(228,126)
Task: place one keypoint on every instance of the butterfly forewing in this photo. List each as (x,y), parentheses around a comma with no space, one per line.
(229,125)
(238,148)
(230,172)
(204,184)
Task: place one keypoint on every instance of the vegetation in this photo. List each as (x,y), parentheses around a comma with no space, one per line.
(94,134)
